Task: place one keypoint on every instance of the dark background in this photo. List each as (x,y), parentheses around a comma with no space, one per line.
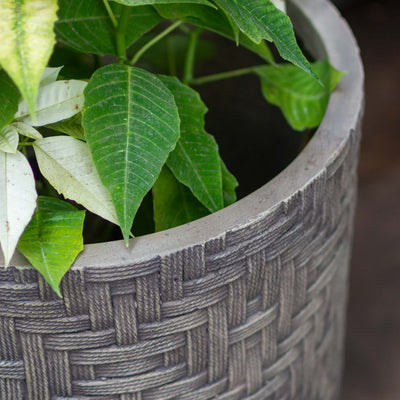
(373,339)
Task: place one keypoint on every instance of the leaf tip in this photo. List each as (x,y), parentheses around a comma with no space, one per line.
(7,259)
(31,104)
(126,233)
(126,239)
(8,251)
(57,290)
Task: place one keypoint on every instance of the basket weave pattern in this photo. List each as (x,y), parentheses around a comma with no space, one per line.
(254,314)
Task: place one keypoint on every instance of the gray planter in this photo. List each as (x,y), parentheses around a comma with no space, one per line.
(248,303)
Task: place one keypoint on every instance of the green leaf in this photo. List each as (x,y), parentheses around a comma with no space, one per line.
(173,203)
(229,185)
(149,2)
(87,27)
(56,101)
(131,124)
(53,239)
(195,161)
(143,224)
(67,164)
(215,21)
(235,29)
(9,139)
(260,19)
(26,42)
(9,99)
(17,200)
(301,98)
(71,126)
(201,16)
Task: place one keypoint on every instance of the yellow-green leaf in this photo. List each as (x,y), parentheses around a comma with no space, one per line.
(53,239)
(301,98)
(26,42)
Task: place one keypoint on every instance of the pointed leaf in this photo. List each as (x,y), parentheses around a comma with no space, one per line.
(9,99)
(53,239)
(50,75)
(56,101)
(9,139)
(71,126)
(67,164)
(17,200)
(260,19)
(173,203)
(229,184)
(195,161)
(131,125)
(26,42)
(26,130)
(301,98)
(88,28)
(215,21)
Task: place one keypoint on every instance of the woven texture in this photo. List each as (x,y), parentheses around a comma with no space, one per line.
(255,314)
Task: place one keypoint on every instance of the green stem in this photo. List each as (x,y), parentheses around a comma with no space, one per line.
(223,75)
(120,33)
(191,56)
(185,29)
(153,41)
(24,143)
(110,13)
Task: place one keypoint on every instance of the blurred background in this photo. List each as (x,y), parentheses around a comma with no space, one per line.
(373,336)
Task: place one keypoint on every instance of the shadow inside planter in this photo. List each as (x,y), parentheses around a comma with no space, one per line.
(254,139)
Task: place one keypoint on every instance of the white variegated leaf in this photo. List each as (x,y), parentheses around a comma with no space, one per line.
(67,164)
(9,139)
(50,75)
(56,101)
(17,200)
(26,130)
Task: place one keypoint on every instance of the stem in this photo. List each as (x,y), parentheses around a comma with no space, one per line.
(223,75)
(23,145)
(120,33)
(191,56)
(153,41)
(184,29)
(171,58)
(110,13)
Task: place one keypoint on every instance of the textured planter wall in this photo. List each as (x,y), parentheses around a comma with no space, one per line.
(248,303)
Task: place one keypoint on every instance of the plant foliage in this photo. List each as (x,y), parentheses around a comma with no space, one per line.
(107,142)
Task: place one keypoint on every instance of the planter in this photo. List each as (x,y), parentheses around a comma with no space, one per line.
(248,303)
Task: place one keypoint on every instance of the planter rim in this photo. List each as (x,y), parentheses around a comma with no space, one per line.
(328,30)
